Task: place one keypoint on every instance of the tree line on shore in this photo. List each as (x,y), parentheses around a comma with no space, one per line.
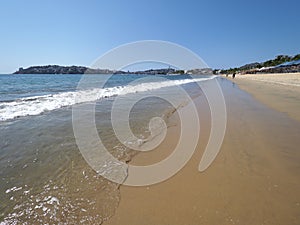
(252,67)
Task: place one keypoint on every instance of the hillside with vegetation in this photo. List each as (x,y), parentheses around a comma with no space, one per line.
(273,65)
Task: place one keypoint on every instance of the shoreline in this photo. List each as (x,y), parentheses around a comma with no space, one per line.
(253,180)
(257,167)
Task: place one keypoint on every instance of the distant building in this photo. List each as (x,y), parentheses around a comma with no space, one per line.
(203,71)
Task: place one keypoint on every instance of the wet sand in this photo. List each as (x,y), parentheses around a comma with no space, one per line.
(255,178)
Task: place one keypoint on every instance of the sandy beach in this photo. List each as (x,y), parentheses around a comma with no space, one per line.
(150,112)
(279,91)
(255,178)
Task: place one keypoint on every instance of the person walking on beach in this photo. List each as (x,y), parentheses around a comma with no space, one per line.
(233,75)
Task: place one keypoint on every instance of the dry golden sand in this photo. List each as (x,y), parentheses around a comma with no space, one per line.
(279,91)
(255,179)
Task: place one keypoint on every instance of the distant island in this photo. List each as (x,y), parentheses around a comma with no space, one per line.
(56,69)
(281,64)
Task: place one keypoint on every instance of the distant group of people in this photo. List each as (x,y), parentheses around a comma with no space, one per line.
(233,75)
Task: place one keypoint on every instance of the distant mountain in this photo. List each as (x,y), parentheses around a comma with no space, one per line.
(281,64)
(250,66)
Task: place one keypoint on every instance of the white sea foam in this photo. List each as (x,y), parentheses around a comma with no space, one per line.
(13,189)
(38,104)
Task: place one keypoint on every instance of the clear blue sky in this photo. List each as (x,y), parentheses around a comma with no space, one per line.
(224,33)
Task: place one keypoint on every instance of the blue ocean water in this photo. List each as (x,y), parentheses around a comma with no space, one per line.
(13,87)
(25,95)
